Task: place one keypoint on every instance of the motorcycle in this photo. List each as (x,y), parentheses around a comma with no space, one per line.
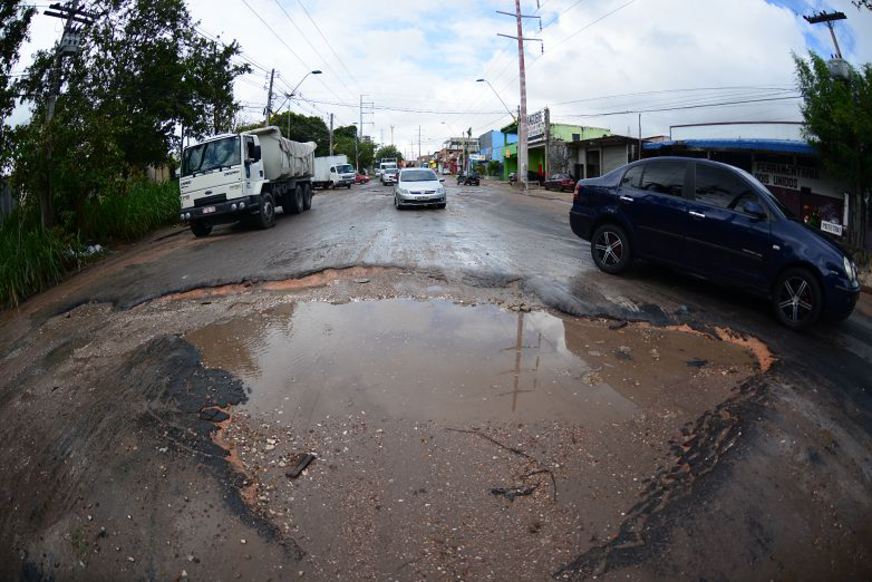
(513,179)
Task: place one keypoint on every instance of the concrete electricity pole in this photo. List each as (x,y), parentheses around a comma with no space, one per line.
(522,75)
(828,18)
(419,142)
(75,20)
(331,134)
(269,97)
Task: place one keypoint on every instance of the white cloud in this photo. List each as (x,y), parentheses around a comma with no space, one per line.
(426,55)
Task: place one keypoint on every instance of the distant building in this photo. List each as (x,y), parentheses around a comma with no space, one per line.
(549,146)
(454,154)
(597,156)
(492,144)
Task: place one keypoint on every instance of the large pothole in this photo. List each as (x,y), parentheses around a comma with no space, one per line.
(467,441)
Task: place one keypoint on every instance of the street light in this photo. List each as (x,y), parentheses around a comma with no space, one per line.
(509,111)
(288,96)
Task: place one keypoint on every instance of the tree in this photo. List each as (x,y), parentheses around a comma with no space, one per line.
(15,20)
(838,123)
(142,72)
(863,4)
(388,151)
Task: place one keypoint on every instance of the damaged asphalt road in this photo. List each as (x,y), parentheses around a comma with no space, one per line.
(478,402)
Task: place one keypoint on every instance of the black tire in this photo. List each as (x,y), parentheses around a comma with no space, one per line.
(797,299)
(610,249)
(267,216)
(201,229)
(397,204)
(441,206)
(307,197)
(348,186)
(295,200)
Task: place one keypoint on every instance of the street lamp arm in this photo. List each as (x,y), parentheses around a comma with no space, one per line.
(509,111)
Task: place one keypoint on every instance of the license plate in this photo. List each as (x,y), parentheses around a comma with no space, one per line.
(208,210)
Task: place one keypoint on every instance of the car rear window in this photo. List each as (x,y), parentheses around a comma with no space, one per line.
(664,177)
(633,177)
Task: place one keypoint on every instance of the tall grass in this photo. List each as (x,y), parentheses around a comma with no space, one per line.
(145,207)
(31,258)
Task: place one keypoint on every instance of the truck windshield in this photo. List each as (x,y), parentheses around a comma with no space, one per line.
(221,153)
(344,168)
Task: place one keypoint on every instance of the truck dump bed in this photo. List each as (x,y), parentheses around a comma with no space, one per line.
(283,158)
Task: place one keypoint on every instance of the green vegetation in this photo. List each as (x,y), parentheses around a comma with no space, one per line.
(837,111)
(143,78)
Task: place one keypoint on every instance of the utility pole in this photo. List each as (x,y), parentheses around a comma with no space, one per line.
(419,142)
(640,140)
(392,135)
(269,97)
(366,108)
(75,20)
(828,18)
(522,75)
(331,134)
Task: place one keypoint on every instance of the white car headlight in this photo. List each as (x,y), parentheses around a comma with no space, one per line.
(440,190)
(404,191)
(849,269)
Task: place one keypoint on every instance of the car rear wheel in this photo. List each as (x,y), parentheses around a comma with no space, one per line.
(798,299)
(610,249)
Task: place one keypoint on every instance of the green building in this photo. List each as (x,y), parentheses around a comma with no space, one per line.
(547,149)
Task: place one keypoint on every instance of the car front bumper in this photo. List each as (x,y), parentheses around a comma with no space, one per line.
(841,300)
(221,212)
(424,200)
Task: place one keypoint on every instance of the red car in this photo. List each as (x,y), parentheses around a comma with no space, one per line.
(361,179)
(562,182)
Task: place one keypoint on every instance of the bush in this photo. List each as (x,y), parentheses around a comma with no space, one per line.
(31,258)
(126,217)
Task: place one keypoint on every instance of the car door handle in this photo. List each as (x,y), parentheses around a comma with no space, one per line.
(696,214)
(626,199)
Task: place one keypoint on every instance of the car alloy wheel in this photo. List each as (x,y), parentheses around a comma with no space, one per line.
(797,299)
(610,248)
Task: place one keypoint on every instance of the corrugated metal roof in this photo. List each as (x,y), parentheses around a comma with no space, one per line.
(781,146)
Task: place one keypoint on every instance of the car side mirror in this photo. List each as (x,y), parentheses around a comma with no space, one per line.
(754,210)
(441,179)
(177,172)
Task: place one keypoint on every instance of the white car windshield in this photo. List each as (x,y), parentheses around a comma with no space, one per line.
(418,176)
(345,168)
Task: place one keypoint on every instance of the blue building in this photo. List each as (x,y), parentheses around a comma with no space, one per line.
(492,144)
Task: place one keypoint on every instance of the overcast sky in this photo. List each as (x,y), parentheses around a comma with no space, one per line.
(418,61)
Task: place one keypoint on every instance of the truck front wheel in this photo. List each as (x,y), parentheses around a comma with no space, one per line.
(201,229)
(267,216)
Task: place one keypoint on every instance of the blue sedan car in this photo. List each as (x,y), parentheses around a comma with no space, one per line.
(718,222)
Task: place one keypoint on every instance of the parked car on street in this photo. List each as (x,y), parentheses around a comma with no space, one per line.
(718,222)
(361,179)
(419,187)
(468,179)
(561,182)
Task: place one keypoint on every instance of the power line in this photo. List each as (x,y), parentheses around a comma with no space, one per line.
(327,42)
(684,107)
(286,45)
(314,50)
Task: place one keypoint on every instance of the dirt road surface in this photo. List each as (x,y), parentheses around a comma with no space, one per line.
(362,393)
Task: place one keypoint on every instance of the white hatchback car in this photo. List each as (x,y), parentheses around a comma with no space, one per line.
(419,187)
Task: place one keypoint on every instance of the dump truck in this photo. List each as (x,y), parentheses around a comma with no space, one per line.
(233,177)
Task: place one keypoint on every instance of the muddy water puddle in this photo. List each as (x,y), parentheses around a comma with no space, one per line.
(419,413)
(439,360)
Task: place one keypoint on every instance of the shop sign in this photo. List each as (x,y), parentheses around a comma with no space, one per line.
(536,126)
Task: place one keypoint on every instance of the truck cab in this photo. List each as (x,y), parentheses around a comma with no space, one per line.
(232,177)
(220,176)
(342,175)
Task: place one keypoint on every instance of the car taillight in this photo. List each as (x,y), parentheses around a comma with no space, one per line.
(577,195)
